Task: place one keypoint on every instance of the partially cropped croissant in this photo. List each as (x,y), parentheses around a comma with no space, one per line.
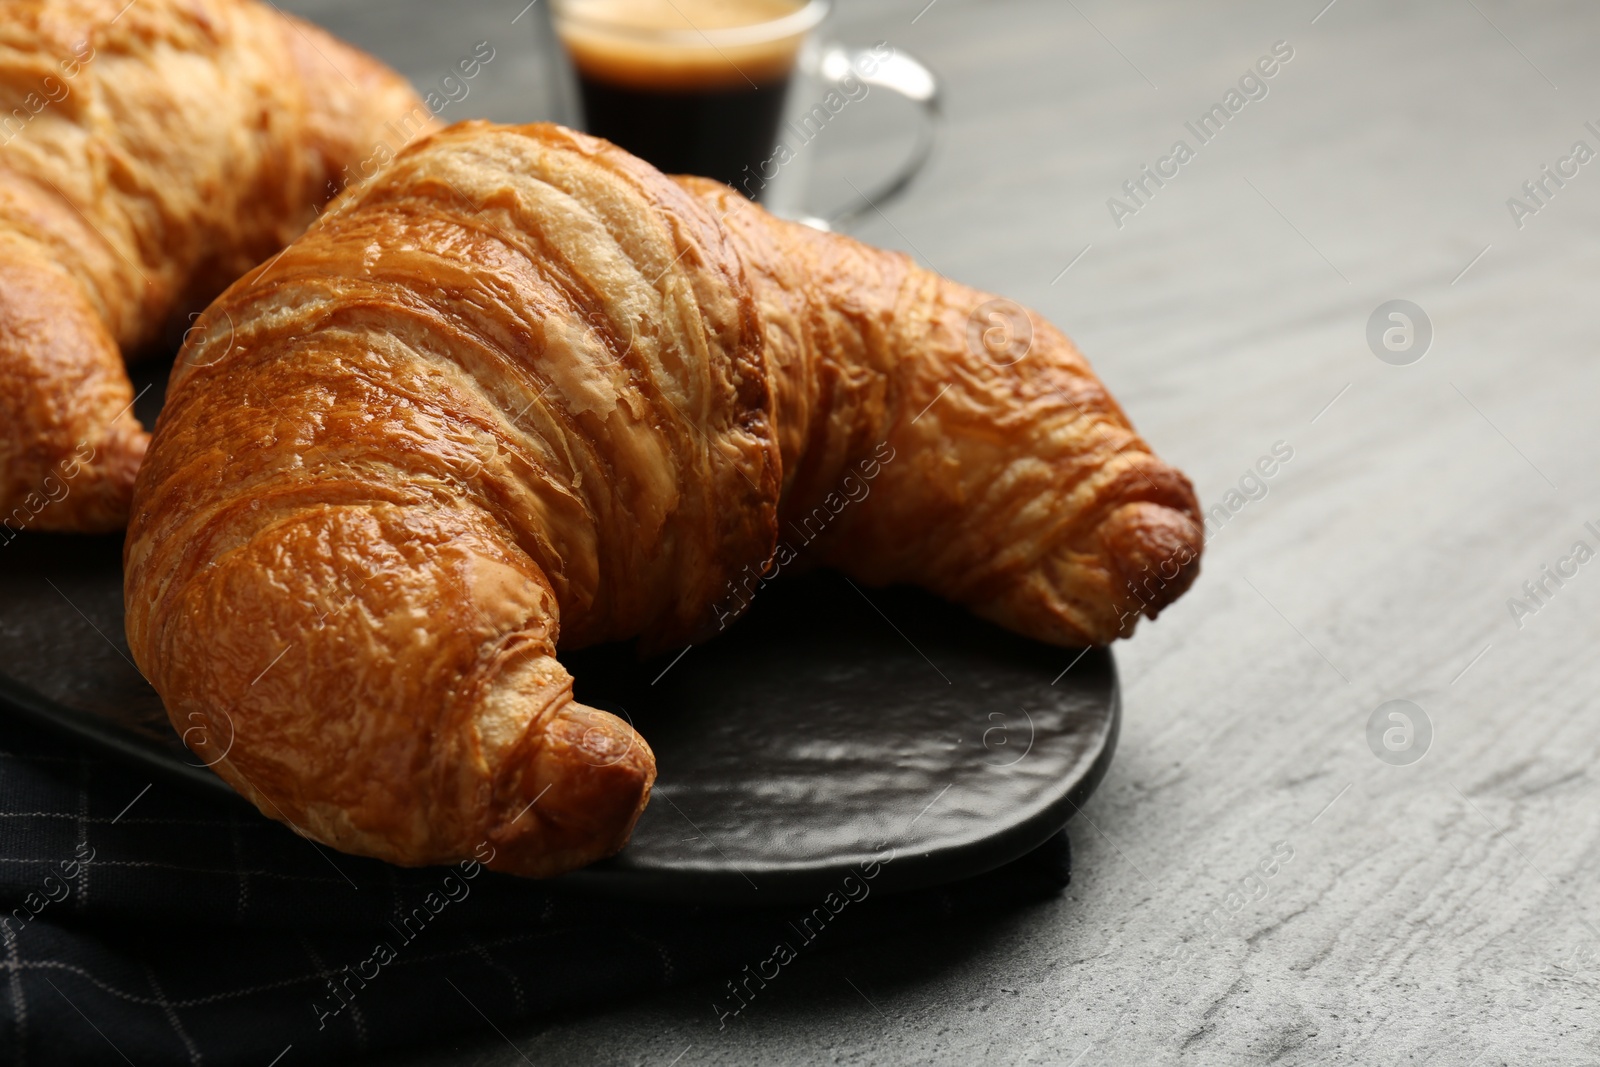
(522,387)
(150,153)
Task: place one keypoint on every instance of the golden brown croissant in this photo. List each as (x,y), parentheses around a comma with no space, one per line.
(150,153)
(524,392)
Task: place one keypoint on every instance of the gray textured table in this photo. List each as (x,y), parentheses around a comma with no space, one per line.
(1253,884)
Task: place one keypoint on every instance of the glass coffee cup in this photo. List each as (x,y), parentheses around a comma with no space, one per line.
(734,90)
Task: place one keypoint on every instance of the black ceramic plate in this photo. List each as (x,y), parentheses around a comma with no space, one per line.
(831,727)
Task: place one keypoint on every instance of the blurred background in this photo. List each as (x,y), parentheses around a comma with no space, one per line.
(1434,906)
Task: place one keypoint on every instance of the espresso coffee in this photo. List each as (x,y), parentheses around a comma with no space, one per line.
(692,86)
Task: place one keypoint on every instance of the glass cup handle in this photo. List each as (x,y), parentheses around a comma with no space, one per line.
(905,76)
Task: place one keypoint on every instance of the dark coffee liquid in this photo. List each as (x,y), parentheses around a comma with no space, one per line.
(716,132)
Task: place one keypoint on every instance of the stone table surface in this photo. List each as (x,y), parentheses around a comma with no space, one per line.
(1253,883)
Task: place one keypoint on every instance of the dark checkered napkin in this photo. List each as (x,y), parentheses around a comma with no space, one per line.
(145,923)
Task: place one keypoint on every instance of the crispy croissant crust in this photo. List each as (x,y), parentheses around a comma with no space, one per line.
(523,392)
(150,153)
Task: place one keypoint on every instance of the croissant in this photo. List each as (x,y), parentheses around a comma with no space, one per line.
(523,393)
(150,153)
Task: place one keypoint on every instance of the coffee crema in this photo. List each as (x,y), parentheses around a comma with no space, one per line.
(681,44)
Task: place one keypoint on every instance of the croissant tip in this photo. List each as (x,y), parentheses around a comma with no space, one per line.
(577,799)
(1156,549)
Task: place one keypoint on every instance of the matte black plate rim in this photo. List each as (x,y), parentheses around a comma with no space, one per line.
(803,882)
(119,744)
